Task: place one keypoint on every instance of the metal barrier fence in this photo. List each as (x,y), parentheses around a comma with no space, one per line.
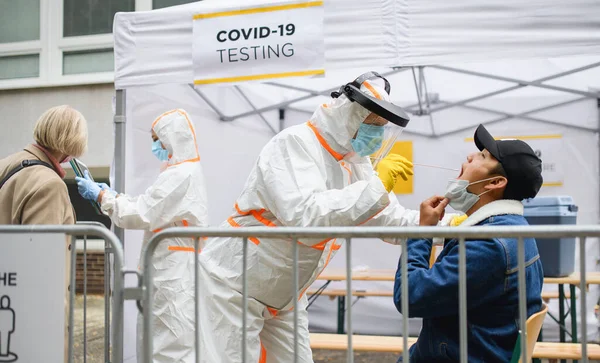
(113,247)
(388,233)
(107,293)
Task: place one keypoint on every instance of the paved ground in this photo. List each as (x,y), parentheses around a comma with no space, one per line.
(95,338)
(329,356)
(95,330)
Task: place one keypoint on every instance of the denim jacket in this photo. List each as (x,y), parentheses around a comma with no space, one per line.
(492,295)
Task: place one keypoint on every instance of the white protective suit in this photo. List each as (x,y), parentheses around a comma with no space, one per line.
(306,176)
(177,198)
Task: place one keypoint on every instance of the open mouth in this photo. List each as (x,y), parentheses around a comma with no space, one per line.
(461,171)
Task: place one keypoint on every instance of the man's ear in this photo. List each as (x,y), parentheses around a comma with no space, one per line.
(496,183)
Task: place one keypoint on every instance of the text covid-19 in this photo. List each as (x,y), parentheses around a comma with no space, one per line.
(255,52)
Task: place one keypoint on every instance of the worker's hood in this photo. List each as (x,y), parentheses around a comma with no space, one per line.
(176,132)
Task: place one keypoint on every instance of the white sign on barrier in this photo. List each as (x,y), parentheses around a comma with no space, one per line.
(279,40)
(32,297)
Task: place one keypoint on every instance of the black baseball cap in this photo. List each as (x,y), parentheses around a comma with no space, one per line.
(522,166)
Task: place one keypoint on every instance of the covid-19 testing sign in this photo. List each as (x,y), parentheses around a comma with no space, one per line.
(280,40)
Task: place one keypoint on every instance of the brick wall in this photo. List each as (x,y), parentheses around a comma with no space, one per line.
(95,272)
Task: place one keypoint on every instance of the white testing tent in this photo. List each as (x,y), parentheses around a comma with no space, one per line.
(516,45)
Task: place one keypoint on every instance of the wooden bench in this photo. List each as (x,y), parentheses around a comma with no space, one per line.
(370,343)
(342,292)
(547,296)
(551,350)
(393,344)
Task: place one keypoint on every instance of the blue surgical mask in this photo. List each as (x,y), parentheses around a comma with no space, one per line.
(368,139)
(460,198)
(159,152)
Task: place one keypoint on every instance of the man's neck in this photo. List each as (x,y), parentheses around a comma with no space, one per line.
(484,199)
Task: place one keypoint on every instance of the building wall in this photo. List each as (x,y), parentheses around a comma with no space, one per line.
(95,273)
(21,109)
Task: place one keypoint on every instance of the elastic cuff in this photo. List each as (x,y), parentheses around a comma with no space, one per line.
(99,199)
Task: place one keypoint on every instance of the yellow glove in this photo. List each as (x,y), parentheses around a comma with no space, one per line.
(392,166)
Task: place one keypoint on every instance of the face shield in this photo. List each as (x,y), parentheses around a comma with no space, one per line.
(391,134)
(395,115)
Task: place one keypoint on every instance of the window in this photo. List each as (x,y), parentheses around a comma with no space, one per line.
(85,25)
(159,4)
(88,61)
(20,44)
(47,43)
(19,20)
(20,66)
(88,17)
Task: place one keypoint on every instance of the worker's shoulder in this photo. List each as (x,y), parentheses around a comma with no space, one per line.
(298,133)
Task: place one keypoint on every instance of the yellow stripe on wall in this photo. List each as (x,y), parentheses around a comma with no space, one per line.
(556,184)
(265,9)
(259,77)
(524,137)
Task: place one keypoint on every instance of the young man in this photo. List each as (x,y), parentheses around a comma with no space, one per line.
(489,190)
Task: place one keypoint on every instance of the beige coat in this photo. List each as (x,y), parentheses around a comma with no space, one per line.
(36,195)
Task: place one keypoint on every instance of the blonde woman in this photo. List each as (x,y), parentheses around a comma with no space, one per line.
(32,190)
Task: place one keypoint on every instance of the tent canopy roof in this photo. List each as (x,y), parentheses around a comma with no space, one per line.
(155,47)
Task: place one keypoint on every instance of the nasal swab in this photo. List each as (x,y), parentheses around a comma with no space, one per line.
(436,167)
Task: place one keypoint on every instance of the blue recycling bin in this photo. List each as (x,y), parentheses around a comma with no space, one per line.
(557,254)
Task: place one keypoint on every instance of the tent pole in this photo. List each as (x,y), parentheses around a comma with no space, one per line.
(120,121)
(457,131)
(296,109)
(255,109)
(296,88)
(326,92)
(424,91)
(525,117)
(511,88)
(598,138)
(302,98)
(281,119)
(418,90)
(222,117)
(536,83)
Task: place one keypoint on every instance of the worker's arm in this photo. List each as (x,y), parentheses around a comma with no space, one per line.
(150,210)
(295,189)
